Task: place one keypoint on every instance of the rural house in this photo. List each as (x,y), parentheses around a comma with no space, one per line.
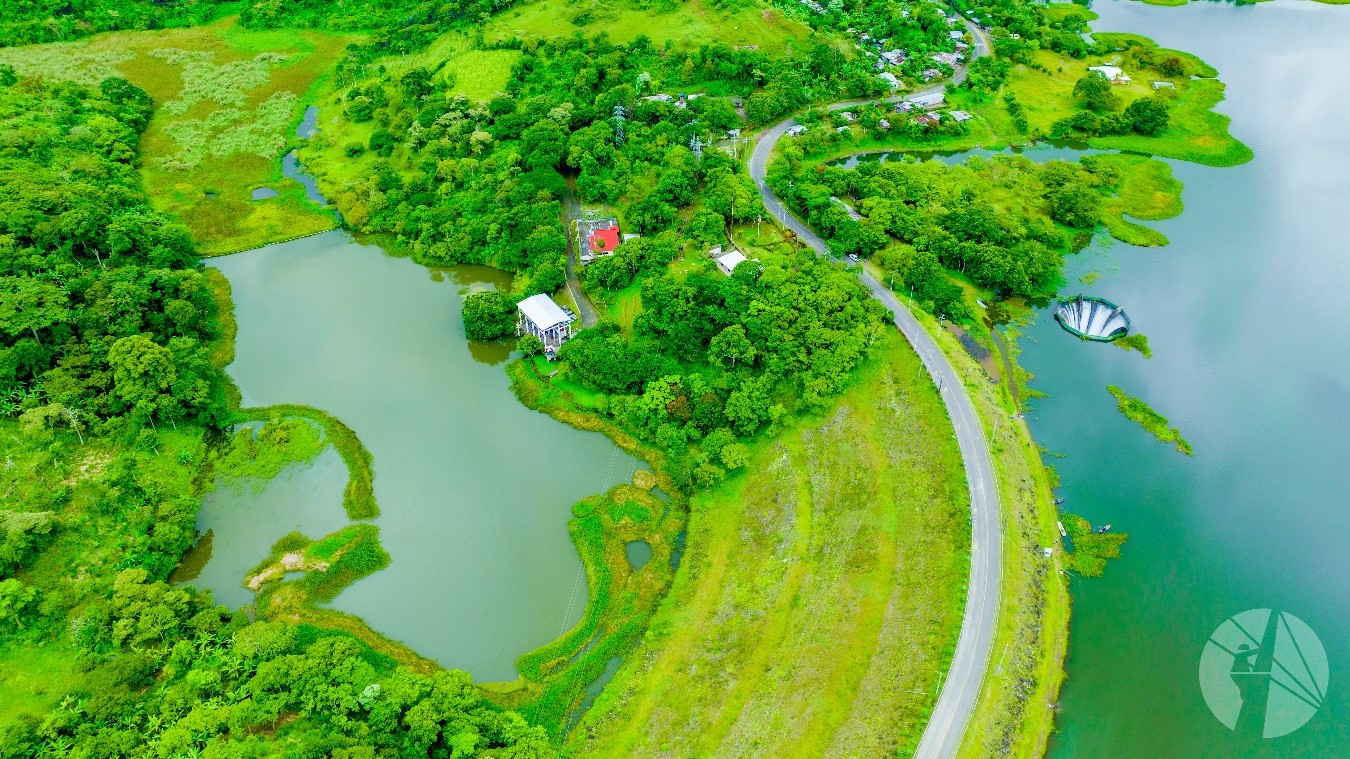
(1113,74)
(597,236)
(727,260)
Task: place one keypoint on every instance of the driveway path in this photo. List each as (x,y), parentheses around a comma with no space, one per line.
(961,687)
(571,213)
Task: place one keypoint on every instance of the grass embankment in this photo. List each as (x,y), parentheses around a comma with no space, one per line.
(1014,715)
(820,595)
(359,497)
(1139,412)
(227,102)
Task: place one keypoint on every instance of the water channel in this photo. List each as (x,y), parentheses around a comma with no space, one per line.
(1246,312)
(475,489)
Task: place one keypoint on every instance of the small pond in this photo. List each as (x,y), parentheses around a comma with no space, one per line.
(639,552)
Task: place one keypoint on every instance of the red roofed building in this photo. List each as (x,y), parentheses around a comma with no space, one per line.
(604,241)
(597,236)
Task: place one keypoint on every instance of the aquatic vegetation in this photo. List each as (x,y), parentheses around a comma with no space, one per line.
(70,61)
(1139,412)
(1137,341)
(359,497)
(261,452)
(226,84)
(1091,548)
(329,564)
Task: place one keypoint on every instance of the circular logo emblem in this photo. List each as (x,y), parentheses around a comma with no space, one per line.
(1264,673)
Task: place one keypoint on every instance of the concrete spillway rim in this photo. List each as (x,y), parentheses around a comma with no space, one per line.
(1112,337)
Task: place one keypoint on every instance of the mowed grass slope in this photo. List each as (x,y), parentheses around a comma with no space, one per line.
(820,596)
(227,103)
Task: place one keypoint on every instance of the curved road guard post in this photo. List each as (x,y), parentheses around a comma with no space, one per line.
(965,678)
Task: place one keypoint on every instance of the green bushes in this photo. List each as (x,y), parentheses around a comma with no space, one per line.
(104,316)
(489,315)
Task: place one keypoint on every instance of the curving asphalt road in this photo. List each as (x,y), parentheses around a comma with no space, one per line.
(961,687)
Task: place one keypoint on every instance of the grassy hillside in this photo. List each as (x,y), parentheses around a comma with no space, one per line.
(684,24)
(820,594)
(227,102)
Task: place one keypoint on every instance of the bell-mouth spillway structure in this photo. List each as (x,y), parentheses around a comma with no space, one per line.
(1093,318)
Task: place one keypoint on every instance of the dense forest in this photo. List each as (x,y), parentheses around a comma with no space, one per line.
(472,182)
(114,412)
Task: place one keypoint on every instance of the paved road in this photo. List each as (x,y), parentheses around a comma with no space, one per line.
(961,687)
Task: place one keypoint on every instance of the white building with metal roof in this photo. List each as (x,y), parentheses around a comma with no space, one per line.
(727,260)
(540,316)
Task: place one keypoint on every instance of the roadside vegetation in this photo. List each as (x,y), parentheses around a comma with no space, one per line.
(1154,423)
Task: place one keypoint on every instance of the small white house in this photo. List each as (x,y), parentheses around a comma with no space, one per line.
(957,35)
(848,117)
(796,130)
(889,79)
(1113,74)
(727,260)
(961,116)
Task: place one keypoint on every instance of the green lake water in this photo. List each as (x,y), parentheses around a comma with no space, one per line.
(475,489)
(1248,314)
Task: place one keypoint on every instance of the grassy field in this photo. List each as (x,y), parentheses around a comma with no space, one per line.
(624,305)
(227,102)
(33,676)
(820,595)
(688,23)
